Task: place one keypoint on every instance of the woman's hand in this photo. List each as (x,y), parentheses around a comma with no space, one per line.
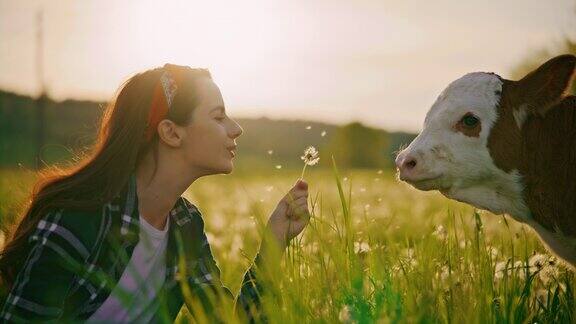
(291,215)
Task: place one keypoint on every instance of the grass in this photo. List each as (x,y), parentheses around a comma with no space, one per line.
(375,251)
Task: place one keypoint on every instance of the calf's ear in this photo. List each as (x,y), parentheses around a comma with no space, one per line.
(546,86)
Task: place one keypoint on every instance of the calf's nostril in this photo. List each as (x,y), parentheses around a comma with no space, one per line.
(410,164)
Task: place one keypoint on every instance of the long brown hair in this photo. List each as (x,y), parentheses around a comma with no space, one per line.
(101,175)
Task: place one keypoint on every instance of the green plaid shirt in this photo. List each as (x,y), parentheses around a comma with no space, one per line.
(76,259)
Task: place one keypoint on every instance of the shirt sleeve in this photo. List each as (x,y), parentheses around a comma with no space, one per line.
(209,289)
(42,283)
(206,290)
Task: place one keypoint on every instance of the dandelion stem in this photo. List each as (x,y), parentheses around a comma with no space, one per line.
(303,169)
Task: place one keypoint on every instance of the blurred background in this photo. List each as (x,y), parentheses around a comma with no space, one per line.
(354,78)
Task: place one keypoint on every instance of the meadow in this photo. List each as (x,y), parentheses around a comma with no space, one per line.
(376,251)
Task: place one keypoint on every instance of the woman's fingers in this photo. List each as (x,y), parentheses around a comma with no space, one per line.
(301,200)
(297,200)
(300,188)
(298,208)
(296,194)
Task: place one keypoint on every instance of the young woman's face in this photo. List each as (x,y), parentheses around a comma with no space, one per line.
(210,141)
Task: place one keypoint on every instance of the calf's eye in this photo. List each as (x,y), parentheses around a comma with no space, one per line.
(470,121)
(469,125)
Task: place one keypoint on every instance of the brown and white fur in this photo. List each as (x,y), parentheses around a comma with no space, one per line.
(519,158)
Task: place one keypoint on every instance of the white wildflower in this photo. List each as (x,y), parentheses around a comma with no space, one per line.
(440,233)
(345,315)
(499,270)
(493,252)
(444,273)
(538,261)
(361,247)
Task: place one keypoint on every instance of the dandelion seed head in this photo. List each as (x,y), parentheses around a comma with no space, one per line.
(310,156)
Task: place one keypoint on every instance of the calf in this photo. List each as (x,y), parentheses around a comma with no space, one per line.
(507,147)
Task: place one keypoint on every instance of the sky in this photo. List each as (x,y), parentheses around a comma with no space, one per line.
(380,62)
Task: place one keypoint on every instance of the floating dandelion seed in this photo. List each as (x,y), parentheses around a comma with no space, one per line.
(310,157)
(308,127)
(270,152)
(278,166)
(323,133)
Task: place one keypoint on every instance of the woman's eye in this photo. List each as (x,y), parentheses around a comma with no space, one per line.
(470,121)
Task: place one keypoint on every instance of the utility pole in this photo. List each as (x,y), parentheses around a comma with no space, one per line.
(42,99)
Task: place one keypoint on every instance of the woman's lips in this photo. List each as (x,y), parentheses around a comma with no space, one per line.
(232,150)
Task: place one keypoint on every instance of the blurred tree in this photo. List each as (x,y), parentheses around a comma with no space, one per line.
(357,146)
(265,143)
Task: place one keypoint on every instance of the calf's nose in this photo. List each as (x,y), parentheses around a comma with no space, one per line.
(406,163)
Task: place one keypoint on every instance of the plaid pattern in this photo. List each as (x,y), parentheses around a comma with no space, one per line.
(76,259)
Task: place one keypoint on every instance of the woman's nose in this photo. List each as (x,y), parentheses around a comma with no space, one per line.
(236,130)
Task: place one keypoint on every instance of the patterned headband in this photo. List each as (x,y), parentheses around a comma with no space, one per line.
(162,100)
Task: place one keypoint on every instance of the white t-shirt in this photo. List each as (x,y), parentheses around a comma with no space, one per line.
(132,298)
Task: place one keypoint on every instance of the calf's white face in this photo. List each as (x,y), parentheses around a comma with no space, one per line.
(451,153)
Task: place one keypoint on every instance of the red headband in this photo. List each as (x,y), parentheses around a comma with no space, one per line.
(162,100)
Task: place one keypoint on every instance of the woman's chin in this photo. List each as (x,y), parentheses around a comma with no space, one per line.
(227,168)
(223,168)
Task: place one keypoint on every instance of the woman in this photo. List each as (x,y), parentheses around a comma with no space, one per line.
(113,240)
